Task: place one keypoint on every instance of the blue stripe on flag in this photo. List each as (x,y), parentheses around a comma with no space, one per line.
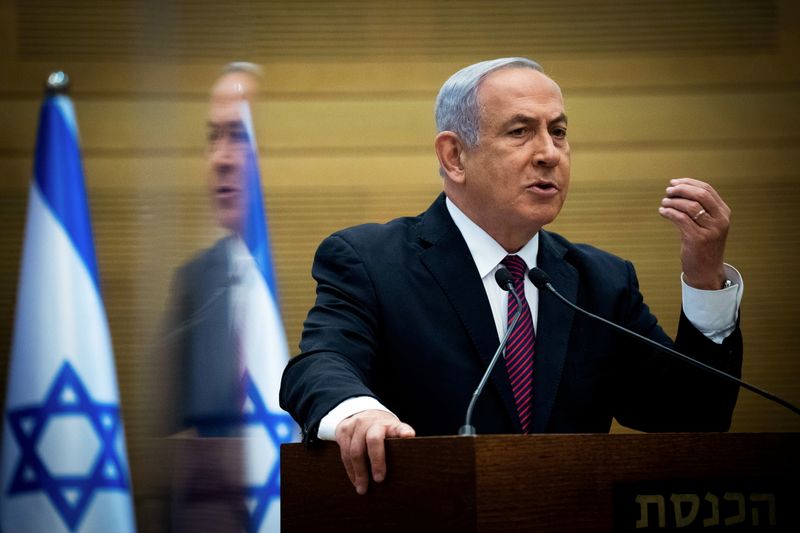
(58,172)
(254,230)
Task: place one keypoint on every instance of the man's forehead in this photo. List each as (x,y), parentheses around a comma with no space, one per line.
(234,86)
(521,91)
(228,95)
(518,81)
(225,112)
(518,71)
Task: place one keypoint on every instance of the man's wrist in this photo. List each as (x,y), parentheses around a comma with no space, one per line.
(347,408)
(714,312)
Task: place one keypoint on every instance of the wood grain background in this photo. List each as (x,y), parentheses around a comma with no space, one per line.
(654,90)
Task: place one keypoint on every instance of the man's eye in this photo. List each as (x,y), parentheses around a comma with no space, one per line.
(214,135)
(239,135)
(560,133)
(518,132)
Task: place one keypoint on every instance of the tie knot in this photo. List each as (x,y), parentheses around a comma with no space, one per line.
(516,265)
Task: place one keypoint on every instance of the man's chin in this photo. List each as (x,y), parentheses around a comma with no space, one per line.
(230,220)
(539,219)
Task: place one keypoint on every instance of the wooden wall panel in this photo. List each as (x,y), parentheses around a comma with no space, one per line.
(301,29)
(381,124)
(345,137)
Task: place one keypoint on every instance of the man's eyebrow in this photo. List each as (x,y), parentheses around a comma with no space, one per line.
(527,119)
(228,124)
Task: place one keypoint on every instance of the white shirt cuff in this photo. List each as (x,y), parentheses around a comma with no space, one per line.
(714,313)
(349,407)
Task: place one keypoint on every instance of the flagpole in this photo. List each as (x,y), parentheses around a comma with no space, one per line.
(57,82)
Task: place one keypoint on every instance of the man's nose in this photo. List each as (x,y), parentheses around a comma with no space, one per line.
(221,153)
(546,153)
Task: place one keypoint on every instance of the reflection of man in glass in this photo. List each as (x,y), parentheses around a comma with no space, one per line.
(203,339)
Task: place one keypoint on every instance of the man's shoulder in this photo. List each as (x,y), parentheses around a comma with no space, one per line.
(376,231)
(581,253)
(212,257)
(427,226)
(597,271)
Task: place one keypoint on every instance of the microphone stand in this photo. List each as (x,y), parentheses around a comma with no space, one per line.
(503,278)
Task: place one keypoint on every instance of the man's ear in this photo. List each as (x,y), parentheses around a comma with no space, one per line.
(450,151)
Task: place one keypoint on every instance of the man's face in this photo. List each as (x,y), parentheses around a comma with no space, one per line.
(227,145)
(516,178)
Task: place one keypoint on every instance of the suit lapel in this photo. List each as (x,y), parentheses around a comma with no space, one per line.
(446,255)
(553,329)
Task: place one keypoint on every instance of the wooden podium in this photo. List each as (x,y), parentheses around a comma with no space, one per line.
(573,483)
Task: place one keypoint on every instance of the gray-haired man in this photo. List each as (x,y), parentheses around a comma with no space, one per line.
(408,313)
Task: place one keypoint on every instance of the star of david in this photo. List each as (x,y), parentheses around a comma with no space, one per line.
(279,430)
(69,494)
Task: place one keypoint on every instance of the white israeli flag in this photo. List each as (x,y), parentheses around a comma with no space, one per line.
(64,466)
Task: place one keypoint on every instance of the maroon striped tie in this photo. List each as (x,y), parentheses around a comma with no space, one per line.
(519,350)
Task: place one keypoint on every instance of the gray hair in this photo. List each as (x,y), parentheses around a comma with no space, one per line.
(457,103)
(244,66)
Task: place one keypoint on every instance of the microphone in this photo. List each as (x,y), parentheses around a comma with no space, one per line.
(541,280)
(503,278)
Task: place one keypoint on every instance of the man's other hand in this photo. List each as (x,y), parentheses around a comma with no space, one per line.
(361,444)
(703,219)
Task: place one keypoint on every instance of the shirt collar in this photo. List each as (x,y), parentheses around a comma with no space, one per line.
(239,258)
(487,252)
(237,248)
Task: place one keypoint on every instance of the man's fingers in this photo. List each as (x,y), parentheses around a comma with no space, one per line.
(693,205)
(698,191)
(400,430)
(352,450)
(680,219)
(344,453)
(377,452)
(343,438)
(694,186)
(359,463)
(376,447)
(691,208)
(361,445)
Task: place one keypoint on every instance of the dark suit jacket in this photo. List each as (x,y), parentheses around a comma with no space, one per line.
(200,349)
(402,315)
(201,390)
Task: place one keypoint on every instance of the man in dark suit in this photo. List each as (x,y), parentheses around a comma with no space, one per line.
(201,335)
(408,313)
